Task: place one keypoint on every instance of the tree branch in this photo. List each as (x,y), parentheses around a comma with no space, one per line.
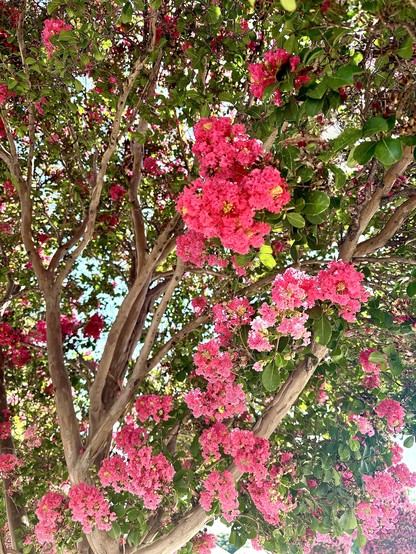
(389,230)
(368,209)
(137,375)
(264,427)
(87,228)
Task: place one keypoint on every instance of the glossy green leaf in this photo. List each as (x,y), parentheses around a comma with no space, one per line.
(388,151)
(364,152)
(296,220)
(322,330)
(270,376)
(411,289)
(406,48)
(348,521)
(375,125)
(377,358)
(408,442)
(288,5)
(316,202)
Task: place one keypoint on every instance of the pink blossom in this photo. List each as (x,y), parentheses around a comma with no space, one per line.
(52,27)
(50,515)
(220,486)
(90,508)
(393,412)
(153,405)
(341,284)
(203,542)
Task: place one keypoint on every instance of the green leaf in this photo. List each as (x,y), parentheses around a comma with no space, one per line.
(265,256)
(316,219)
(346,138)
(53,5)
(322,330)
(375,125)
(270,377)
(364,152)
(411,289)
(316,202)
(313,106)
(318,90)
(377,358)
(406,48)
(296,220)
(134,537)
(127,13)
(361,539)
(213,13)
(343,76)
(409,140)
(408,442)
(288,5)
(344,452)
(388,151)
(340,177)
(115,530)
(348,521)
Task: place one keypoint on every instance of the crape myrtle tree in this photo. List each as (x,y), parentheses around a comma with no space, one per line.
(207,274)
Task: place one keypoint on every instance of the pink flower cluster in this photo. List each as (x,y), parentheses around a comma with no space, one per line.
(363,424)
(385,490)
(264,74)
(225,200)
(50,515)
(137,471)
(90,508)
(229,316)
(294,290)
(202,543)
(8,464)
(268,497)
(52,27)
(393,412)
(211,363)
(219,401)
(372,370)
(153,405)
(221,487)
(94,326)
(250,453)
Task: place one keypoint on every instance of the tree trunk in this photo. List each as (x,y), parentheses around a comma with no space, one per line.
(14,512)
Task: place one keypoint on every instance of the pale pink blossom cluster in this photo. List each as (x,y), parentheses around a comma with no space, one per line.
(221,487)
(294,290)
(268,497)
(219,401)
(32,437)
(393,412)
(363,424)
(137,470)
(232,189)
(372,370)
(50,515)
(385,491)
(153,405)
(250,453)
(203,543)
(229,316)
(90,508)
(52,27)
